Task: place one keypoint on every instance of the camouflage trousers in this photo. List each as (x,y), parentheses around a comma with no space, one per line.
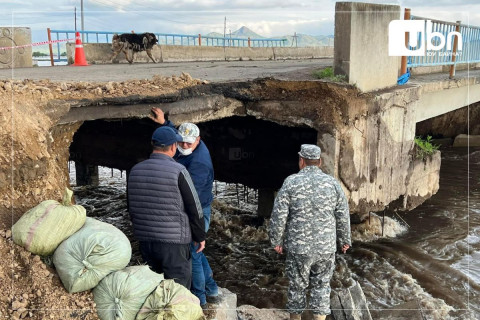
(314,270)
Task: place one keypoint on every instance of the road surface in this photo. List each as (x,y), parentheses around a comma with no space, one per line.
(212,71)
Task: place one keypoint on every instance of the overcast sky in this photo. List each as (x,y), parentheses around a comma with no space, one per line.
(270,18)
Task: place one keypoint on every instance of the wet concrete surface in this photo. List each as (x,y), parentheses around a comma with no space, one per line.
(211,71)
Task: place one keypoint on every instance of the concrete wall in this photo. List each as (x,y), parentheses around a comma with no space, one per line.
(16,58)
(361,44)
(98,53)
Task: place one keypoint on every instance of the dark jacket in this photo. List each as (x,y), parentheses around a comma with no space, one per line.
(199,165)
(163,203)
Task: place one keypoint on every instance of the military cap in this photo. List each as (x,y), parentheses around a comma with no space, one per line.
(310,151)
(189,132)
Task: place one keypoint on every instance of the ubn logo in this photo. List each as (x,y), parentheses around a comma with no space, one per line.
(396,38)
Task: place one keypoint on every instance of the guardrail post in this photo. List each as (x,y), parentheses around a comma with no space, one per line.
(403,69)
(50,46)
(454,51)
(249,42)
(199,39)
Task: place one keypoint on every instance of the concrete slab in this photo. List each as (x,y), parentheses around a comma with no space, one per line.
(465,140)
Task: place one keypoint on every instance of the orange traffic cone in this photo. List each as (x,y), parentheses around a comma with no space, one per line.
(79,53)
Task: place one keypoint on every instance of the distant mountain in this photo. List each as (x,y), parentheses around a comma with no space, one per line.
(214,34)
(243,32)
(302,40)
(305,40)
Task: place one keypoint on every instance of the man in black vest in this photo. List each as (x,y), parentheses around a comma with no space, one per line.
(165,209)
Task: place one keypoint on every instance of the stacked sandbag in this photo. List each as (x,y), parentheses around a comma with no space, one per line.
(122,293)
(171,301)
(90,254)
(41,229)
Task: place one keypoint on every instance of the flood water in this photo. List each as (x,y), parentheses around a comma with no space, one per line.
(431,254)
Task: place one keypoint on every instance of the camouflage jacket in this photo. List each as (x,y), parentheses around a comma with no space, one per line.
(310,214)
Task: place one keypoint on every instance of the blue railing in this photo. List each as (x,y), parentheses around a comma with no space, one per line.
(169,39)
(470,46)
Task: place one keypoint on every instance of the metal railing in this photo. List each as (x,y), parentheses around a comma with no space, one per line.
(453,52)
(167,39)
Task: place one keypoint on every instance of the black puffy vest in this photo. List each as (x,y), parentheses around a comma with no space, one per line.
(155,203)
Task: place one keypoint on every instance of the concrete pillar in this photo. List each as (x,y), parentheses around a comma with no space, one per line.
(87,175)
(266,197)
(18,57)
(361,44)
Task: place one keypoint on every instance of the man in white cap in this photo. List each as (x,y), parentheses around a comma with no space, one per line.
(194,155)
(310,217)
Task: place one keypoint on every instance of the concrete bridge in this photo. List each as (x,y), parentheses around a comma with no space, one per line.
(254,115)
(254,129)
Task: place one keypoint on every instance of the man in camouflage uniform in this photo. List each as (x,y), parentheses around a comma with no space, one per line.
(310,216)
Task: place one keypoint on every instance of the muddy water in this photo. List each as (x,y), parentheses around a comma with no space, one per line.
(431,253)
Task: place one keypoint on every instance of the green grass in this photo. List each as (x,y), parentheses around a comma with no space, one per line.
(425,147)
(327,74)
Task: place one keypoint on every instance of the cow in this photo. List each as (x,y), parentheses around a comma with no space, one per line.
(134,42)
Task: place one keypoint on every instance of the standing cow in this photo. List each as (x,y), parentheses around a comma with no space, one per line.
(135,43)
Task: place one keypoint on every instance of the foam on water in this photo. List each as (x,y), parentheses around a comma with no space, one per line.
(386,287)
(371,229)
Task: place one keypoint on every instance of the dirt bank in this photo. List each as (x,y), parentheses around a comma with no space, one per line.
(33,157)
(32,290)
(34,151)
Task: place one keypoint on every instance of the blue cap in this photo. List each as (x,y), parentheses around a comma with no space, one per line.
(165,136)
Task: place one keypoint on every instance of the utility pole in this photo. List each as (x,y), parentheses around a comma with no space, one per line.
(294,39)
(224,30)
(83,26)
(75,15)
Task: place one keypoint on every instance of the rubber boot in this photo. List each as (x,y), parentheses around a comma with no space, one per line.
(319,317)
(294,316)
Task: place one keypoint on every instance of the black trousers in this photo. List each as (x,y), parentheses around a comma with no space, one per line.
(173,260)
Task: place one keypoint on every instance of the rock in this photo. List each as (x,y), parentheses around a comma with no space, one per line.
(186,77)
(64,86)
(226,308)
(44,89)
(463,140)
(98,91)
(16,305)
(8,86)
(350,303)
(109,87)
(247,312)
(23,314)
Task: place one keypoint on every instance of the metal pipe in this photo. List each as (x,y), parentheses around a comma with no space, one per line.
(83,25)
(50,48)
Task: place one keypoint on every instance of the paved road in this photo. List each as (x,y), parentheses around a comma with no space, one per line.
(211,71)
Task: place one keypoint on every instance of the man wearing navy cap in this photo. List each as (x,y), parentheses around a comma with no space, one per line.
(310,220)
(194,155)
(165,210)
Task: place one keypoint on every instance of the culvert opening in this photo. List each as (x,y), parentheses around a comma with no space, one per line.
(251,159)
